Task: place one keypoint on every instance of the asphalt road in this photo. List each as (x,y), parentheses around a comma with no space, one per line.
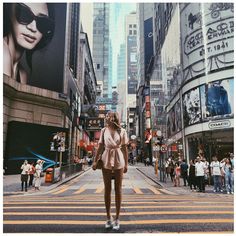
(78,207)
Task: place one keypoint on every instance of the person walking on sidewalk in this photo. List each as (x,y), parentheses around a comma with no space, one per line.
(200,173)
(227,170)
(192,177)
(177,172)
(24,175)
(216,173)
(113,141)
(31,174)
(37,175)
(184,171)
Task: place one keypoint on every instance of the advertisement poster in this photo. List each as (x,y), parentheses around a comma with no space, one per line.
(148,41)
(37,49)
(178,122)
(217,99)
(26,141)
(191,107)
(132,64)
(207,32)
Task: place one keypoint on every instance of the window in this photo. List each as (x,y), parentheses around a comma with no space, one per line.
(134,26)
(130,32)
(130,26)
(135,32)
(98,66)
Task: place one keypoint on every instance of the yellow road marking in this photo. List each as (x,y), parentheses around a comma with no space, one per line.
(61,191)
(99,189)
(154,190)
(81,189)
(98,207)
(122,213)
(135,222)
(168,192)
(137,190)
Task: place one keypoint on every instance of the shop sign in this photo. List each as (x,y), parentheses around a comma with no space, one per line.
(94,123)
(219,124)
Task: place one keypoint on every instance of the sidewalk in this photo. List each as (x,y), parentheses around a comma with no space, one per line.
(12,184)
(149,172)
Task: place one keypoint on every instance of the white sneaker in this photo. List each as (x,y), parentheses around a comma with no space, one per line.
(214,190)
(116,225)
(228,192)
(232,192)
(109,223)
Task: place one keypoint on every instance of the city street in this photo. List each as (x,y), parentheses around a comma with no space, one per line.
(77,207)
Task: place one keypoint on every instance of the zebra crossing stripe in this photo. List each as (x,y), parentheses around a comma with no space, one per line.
(99,189)
(61,191)
(154,190)
(135,222)
(81,189)
(137,190)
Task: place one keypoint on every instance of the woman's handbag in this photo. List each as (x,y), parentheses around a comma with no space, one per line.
(99,164)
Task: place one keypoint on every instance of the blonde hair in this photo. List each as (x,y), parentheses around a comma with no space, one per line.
(113,118)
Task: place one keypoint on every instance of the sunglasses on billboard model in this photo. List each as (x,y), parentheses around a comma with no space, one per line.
(25,16)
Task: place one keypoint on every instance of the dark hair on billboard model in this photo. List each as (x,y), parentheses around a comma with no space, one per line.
(24,16)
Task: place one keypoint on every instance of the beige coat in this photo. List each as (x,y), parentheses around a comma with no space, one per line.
(112,156)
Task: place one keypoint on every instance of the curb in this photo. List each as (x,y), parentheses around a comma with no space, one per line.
(155,181)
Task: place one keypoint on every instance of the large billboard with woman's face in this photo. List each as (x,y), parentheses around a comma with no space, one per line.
(207,37)
(217,99)
(34,43)
(191,107)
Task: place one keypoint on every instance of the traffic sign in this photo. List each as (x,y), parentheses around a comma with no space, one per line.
(164,148)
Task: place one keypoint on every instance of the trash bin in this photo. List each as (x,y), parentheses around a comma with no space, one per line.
(49,175)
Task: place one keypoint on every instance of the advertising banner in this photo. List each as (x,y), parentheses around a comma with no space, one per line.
(26,141)
(148,41)
(132,64)
(191,107)
(217,99)
(37,49)
(207,32)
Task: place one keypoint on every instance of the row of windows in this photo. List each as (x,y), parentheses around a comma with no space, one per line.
(132,26)
(132,32)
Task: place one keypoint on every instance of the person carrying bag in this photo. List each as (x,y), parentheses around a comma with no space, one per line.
(112,158)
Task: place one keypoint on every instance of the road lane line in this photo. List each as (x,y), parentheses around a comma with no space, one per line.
(99,189)
(137,190)
(122,213)
(154,190)
(81,189)
(125,207)
(135,222)
(168,192)
(65,188)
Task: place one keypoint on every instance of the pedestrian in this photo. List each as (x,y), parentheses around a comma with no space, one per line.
(131,159)
(113,141)
(227,170)
(27,27)
(177,173)
(172,168)
(37,175)
(192,177)
(207,174)
(167,167)
(184,171)
(216,173)
(31,173)
(24,175)
(200,173)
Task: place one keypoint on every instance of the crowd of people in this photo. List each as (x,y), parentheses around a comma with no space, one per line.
(199,173)
(32,173)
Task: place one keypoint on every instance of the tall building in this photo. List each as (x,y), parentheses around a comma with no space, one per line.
(101,44)
(131,70)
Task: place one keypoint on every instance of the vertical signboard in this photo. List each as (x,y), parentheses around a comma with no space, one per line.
(207,32)
(132,64)
(148,41)
(40,46)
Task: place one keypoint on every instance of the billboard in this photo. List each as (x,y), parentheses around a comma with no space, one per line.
(132,64)
(148,41)
(217,99)
(207,32)
(191,107)
(26,141)
(34,41)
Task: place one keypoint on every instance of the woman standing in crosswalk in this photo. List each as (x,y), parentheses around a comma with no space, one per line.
(113,141)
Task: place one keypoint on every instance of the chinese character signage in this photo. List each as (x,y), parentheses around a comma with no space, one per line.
(94,123)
